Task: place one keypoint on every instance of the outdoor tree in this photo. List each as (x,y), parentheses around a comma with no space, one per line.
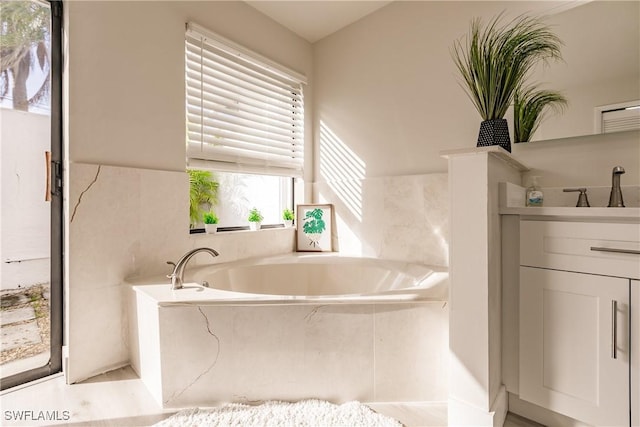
(203,190)
(25,28)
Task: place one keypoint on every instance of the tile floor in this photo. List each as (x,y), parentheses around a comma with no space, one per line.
(119,398)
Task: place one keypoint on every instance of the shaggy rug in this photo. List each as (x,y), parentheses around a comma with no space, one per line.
(311,413)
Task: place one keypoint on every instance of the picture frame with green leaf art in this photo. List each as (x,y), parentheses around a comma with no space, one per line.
(314,228)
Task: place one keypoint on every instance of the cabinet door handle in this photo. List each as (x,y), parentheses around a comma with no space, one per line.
(614,329)
(620,251)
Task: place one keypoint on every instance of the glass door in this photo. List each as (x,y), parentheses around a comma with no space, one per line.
(30,190)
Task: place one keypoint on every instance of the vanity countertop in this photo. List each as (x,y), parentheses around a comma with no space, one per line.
(597,213)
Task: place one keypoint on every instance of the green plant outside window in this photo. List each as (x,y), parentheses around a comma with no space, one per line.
(203,193)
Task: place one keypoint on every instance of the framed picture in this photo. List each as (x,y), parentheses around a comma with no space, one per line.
(314,228)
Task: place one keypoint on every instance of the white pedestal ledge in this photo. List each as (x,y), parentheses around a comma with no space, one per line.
(476,394)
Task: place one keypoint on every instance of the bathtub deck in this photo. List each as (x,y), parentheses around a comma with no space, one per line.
(197,295)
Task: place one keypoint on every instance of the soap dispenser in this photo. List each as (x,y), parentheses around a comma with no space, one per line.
(534,193)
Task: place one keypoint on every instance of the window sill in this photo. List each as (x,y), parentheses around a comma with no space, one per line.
(225,230)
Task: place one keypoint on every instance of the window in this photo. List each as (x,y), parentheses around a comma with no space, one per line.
(245,122)
(617,117)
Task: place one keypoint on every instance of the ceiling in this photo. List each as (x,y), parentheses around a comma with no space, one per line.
(314,20)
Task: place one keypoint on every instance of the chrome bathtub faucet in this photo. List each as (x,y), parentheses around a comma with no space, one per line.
(177,276)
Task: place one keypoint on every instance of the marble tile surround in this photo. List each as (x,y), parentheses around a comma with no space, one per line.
(125,222)
(202,355)
(400,218)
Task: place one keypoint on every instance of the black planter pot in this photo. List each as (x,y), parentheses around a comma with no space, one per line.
(494,132)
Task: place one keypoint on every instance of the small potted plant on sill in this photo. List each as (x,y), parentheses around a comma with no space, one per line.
(255,219)
(210,220)
(287,216)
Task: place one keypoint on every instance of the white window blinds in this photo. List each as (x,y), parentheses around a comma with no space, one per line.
(244,112)
(621,120)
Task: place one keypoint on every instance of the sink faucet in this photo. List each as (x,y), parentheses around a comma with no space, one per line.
(177,276)
(615,198)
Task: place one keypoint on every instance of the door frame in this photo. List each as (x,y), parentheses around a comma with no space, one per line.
(57,217)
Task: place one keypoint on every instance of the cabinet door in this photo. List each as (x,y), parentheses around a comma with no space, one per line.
(570,359)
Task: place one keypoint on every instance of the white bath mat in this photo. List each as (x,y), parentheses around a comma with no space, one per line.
(311,413)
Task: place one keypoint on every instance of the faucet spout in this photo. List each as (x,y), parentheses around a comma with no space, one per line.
(177,276)
(615,198)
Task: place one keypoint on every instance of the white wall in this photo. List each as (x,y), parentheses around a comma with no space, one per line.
(582,161)
(25,219)
(601,64)
(126,74)
(124,81)
(387,87)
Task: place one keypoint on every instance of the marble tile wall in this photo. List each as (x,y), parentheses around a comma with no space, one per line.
(125,222)
(368,352)
(400,218)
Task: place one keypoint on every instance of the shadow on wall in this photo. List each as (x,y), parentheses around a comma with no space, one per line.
(402,218)
(343,170)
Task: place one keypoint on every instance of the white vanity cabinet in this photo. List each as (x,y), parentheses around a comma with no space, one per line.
(567,360)
(578,319)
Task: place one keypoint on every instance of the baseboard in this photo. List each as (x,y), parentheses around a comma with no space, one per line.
(541,415)
(96,372)
(464,414)
(413,413)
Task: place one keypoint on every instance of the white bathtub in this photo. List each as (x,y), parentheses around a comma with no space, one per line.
(293,327)
(302,278)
